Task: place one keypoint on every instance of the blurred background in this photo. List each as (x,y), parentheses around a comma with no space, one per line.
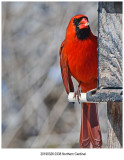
(35,109)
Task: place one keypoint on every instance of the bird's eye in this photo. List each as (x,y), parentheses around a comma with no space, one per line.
(75,21)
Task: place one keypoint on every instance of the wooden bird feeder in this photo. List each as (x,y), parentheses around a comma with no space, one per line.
(109,86)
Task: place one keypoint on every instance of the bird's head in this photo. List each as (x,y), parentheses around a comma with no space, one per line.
(79,27)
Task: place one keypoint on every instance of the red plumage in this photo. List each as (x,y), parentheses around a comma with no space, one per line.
(79,58)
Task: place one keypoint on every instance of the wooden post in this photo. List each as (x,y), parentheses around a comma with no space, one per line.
(110,65)
(114,113)
(110,45)
(110,79)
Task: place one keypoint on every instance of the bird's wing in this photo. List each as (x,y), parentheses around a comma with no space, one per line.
(66,75)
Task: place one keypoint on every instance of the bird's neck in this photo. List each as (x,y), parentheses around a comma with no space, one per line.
(83,34)
(73,36)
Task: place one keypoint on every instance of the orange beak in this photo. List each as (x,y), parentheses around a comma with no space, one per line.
(83,23)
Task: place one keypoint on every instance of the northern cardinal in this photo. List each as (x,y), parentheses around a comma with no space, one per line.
(79,58)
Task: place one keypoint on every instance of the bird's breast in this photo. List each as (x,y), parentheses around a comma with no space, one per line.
(83,60)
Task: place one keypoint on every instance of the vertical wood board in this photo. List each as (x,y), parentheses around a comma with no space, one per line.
(110,45)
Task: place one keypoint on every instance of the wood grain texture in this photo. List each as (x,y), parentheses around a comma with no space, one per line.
(105,95)
(110,67)
(110,45)
(114,112)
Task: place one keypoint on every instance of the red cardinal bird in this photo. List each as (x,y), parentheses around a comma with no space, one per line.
(79,58)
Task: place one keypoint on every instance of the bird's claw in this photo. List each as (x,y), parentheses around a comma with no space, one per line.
(77,94)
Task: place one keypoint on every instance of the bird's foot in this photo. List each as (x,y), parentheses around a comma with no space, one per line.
(77,93)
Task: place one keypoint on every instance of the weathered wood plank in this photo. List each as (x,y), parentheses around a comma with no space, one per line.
(110,44)
(110,67)
(105,95)
(114,112)
(109,88)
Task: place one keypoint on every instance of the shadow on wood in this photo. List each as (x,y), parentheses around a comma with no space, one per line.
(111,7)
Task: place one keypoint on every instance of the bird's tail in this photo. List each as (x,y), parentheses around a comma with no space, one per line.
(90,134)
